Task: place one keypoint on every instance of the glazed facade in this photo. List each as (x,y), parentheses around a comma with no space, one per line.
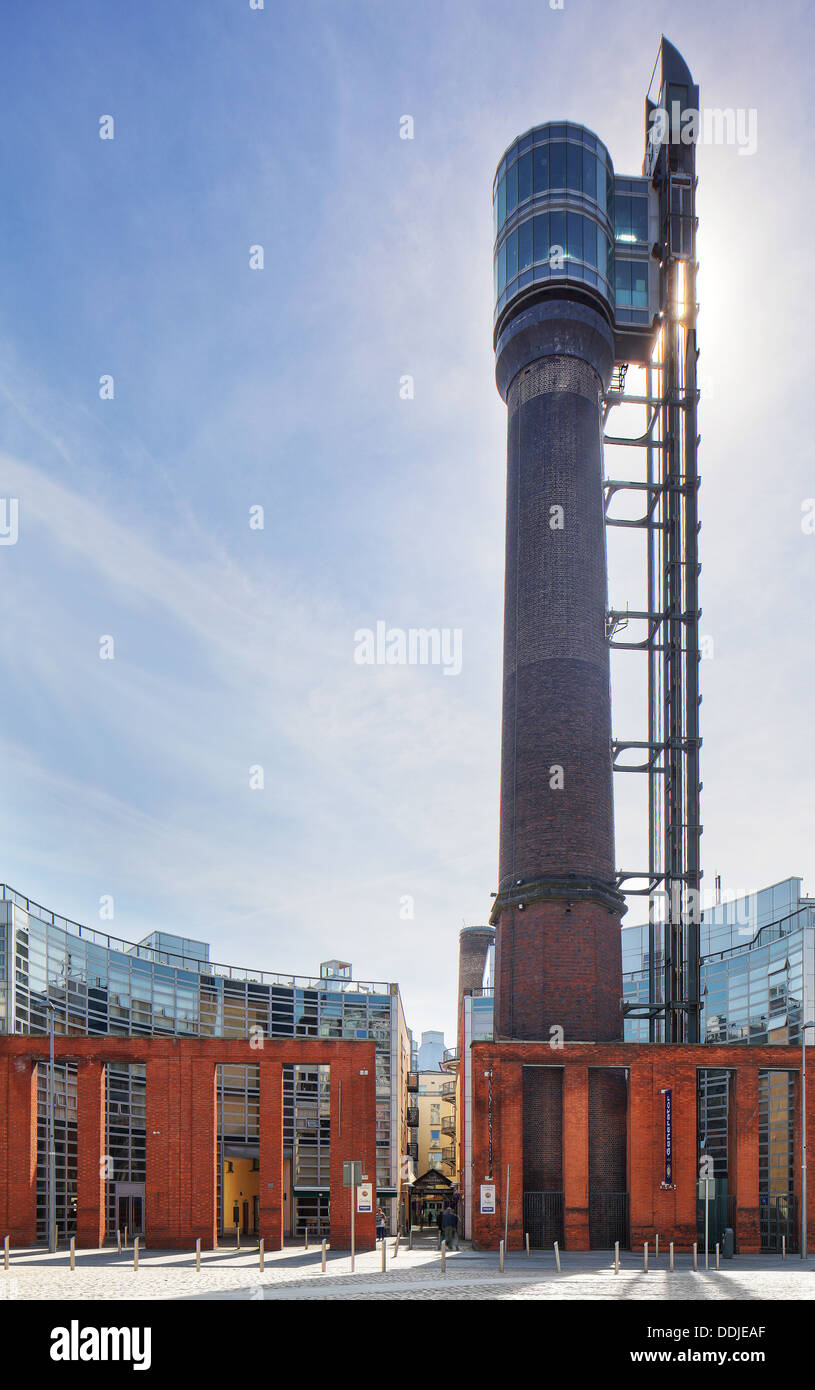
(167,986)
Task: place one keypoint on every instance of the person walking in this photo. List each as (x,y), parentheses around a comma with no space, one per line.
(380,1223)
(449,1226)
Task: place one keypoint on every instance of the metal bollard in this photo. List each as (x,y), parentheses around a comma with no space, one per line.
(305,1247)
(718,1252)
(645,1257)
(198,1253)
(656,1246)
(695,1255)
(396,1246)
(322,1261)
(261,1252)
(118,1241)
(439,1246)
(72,1248)
(410,1239)
(443,1258)
(501,1256)
(528,1251)
(125,1237)
(238,1234)
(5,1252)
(557,1257)
(783,1247)
(616,1257)
(671,1256)
(384,1256)
(136,1253)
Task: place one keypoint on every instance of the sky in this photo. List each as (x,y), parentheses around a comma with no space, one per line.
(132,767)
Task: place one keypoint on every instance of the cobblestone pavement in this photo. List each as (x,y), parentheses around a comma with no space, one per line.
(295,1274)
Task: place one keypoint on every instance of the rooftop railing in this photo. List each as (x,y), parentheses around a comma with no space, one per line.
(136,950)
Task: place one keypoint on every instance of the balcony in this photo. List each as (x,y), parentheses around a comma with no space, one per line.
(448,1091)
(449,1060)
(448,1125)
(413,1081)
(413,1152)
(413,1117)
(448,1155)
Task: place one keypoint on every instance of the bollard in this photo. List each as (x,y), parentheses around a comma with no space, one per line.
(5,1252)
(125,1245)
(718,1266)
(238,1235)
(783,1247)
(439,1246)
(384,1256)
(671,1256)
(443,1257)
(616,1257)
(198,1253)
(410,1239)
(645,1257)
(322,1261)
(695,1256)
(396,1246)
(118,1241)
(501,1256)
(73,1252)
(136,1253)
(656,1246)
(557,1257)
(527,1244)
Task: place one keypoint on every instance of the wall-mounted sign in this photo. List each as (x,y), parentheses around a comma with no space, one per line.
(668,1182)
(488,1199)
(365,1197)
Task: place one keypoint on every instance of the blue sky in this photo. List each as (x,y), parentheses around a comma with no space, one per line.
(234,387)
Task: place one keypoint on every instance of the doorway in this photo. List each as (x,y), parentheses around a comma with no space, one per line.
(130,1208)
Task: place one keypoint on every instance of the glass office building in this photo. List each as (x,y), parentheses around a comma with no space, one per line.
(166,985)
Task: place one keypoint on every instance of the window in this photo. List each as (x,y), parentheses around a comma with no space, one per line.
(575,236)
(435,1136)
(525,177)
(557,231)
(541,169)
(589,174)
(435,1114)
(525,244)
(541,236)
(623,284)
(512,188)
(557,166)
(573,159)
(512,256)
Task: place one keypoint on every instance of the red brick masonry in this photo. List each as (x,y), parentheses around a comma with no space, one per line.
(651,1067)
(181,1132)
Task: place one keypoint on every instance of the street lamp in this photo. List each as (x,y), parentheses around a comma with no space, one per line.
(52,1157)
(804,1027)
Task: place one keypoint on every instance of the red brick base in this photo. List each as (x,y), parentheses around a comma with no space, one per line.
(497,1070)
(181,1126)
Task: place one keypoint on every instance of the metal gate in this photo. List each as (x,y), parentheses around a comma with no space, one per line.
(608,1220)
(543,1219)
(778,1216)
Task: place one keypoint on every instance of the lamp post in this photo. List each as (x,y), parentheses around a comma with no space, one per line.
(52,1157)
(804,1027)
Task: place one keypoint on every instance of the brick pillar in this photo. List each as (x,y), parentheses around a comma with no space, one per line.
(203,1171)
(157,1217)
(510,1151)
(645,1121)
(576,1157)
(18,1150)
(181,1157)
(484,1228)
(353,1137)
(810,1150)
(747,1207)
(271,1154)
(90,1155)
(686,1153)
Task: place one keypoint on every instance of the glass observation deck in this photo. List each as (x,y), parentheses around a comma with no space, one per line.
(562,218)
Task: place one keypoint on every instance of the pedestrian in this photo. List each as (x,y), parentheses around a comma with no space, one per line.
(380,1223)
(449,1225)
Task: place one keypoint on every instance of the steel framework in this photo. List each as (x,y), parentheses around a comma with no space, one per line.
(669,485)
